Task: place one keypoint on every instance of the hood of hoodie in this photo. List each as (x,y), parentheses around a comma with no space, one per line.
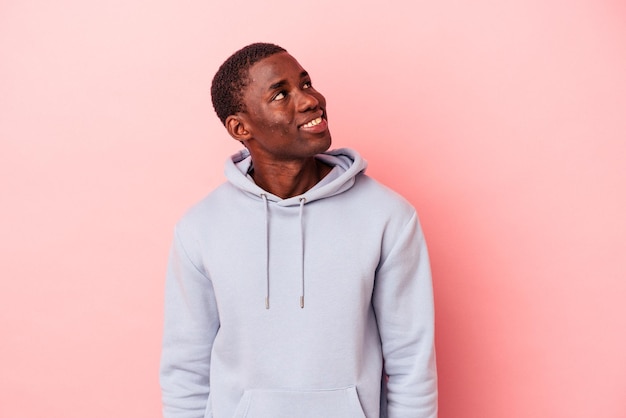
(346,160)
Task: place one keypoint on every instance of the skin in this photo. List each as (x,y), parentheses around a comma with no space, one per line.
(279,100)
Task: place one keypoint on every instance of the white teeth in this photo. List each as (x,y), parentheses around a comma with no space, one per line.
(313,123)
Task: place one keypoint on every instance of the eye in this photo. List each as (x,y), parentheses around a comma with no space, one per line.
(280,95)
(307,85)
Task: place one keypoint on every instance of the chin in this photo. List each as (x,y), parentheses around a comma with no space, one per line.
(326,144)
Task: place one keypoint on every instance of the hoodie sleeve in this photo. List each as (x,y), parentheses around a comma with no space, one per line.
(191,322)
(403,302)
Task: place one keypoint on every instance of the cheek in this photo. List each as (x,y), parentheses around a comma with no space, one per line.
(281,130)
(282,125)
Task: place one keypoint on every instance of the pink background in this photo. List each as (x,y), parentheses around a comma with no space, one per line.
(504,123)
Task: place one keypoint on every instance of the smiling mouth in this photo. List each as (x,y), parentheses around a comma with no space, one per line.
(314,122)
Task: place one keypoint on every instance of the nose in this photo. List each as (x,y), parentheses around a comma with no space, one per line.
(307,101)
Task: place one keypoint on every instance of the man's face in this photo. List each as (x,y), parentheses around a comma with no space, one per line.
(285,116)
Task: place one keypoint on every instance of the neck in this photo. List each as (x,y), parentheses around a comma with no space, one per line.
(288,179)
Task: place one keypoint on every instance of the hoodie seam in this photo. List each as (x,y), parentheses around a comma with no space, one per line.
(392,250)
(186,254)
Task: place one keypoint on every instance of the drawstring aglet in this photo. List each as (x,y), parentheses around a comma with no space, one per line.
(302,302)
(267,303)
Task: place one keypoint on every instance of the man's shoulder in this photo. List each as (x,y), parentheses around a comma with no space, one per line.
(380,195)
(210,206)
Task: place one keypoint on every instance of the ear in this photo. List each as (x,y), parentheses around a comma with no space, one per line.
(236,127)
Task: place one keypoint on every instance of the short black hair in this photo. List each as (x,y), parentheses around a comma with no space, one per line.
(232,77)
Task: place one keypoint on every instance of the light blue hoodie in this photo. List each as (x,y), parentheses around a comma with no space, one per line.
(286,307)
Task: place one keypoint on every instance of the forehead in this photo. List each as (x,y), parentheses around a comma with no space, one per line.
(273,69)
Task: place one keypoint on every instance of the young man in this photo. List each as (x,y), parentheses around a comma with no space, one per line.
(291,285)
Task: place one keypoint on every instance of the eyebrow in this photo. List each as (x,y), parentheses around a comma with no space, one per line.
(281,83)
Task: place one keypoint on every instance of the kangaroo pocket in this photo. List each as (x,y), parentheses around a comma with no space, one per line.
(332,403)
